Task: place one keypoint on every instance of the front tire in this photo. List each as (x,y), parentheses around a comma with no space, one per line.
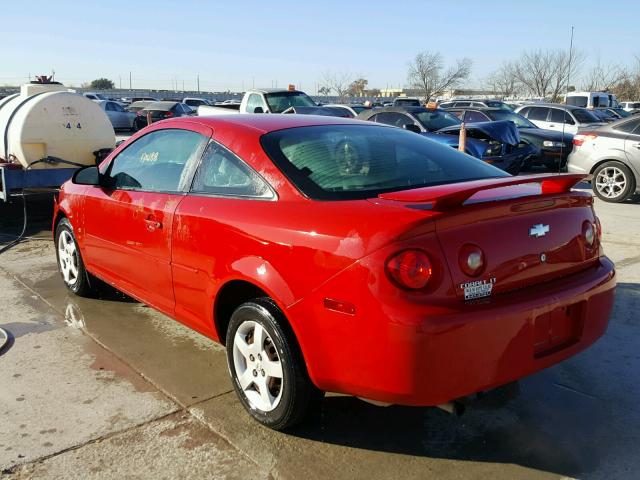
(267,369)
(70,263)
(613,182)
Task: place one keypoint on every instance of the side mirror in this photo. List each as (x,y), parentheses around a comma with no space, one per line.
(412,127)
(258,110)
(87,176)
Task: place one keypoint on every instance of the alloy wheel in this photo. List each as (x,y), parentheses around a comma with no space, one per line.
(611,182)
(257,366)
(68,258)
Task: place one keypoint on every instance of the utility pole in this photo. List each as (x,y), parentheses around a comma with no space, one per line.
(198,78)
(130,81)
(120,82)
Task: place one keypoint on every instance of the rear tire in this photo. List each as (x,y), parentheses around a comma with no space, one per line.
(613,182)
(70,264)
(270,378)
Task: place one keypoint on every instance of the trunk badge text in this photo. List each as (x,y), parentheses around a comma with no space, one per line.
(539,230)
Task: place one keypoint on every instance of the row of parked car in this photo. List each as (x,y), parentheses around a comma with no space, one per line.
(513,138)
(604,142)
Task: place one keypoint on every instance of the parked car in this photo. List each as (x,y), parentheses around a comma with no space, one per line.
(406,102)
(497,143)
(161,111)
(604,115)
(137,106)
(619,112)
(629,106)
(95,96)
(118,116)
(476,103)
(353,110)
(612,155)
(194,102)
(563,118)
(554,146)
(286,237)
(144,99)
(591,99)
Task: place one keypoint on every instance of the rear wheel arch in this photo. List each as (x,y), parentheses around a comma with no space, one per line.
(605,160)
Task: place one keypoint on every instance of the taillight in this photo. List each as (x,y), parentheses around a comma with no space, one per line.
(410,269)
(471,260)
(168,114)
(580,138)
(598,229)
(589,233)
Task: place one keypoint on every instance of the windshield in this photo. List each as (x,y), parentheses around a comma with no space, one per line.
(341,162)
(621,112)
(516,118)
(280,101)
(577,101)
(407,102)
(497,104)
(584,116)
(434,120)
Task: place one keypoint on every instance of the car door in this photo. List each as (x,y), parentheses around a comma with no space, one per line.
(111,113)
(632,149)
(128,220)
(539,115)
(226,194)
(561,120)
(124,120)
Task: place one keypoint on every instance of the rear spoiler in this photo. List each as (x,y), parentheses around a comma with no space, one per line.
(445,197)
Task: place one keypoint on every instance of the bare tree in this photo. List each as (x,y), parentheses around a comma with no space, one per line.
(604,78)
(504,80)
(544,73)
(338,82)
(427,73)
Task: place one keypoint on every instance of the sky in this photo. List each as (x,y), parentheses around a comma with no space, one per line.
(241,44)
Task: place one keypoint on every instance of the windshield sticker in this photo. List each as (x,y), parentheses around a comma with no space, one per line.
(149,157)
(478,288)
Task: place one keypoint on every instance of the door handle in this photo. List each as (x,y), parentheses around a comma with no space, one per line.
(152,224)
(552,125)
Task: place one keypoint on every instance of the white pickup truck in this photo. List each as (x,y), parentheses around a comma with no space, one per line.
(270,100)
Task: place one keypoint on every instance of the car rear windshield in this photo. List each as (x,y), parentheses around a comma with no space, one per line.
(516,118)
(584,116)
(343,162)
(497,104)
(434,120)
(280,101)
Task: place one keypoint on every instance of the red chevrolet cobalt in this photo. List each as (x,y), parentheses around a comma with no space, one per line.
(335,255)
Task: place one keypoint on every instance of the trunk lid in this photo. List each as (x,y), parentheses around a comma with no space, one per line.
(529,231)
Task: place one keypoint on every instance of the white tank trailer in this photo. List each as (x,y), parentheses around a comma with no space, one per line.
(46,120)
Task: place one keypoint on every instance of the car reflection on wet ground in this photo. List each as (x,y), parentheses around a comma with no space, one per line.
(578,419)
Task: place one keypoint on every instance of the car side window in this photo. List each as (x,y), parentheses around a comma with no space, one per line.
(472,117)
(117,107)
(109,107)
(629,127)
(394,118)
(223,173)
(560,116)
(457,113)
(538,113)
(253,102)
(525,111)
(157,162)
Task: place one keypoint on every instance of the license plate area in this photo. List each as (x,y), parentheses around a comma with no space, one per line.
(558,329)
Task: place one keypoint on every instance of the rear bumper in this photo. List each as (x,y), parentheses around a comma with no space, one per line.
(430,354)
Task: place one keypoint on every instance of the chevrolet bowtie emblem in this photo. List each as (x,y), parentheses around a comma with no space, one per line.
(538,230)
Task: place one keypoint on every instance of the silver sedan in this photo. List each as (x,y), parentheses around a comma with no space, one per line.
(119,117)
(612,154)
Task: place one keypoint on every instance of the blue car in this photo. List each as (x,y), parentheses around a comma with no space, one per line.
(497,143)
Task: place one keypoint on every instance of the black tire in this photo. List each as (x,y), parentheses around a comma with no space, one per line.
(299,398)
(610,194)
(81,284)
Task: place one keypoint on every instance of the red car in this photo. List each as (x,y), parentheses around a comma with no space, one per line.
(330,254)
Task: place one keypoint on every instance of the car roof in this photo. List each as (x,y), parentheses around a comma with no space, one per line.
(405,109)
(482,109)
(265,123)
(556,105)
(272,90)
(161,105)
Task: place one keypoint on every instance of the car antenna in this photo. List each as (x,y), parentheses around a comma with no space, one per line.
(565,98)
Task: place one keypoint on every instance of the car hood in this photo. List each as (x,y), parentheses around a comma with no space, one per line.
(545,134)
(503,131)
